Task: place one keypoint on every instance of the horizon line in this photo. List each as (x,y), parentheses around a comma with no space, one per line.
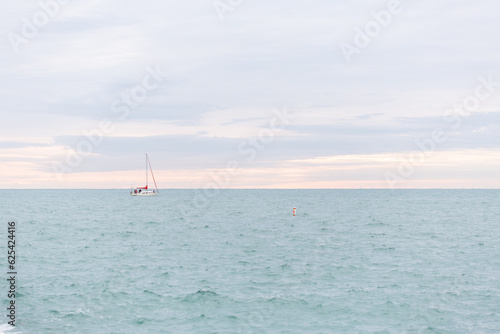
(257,189)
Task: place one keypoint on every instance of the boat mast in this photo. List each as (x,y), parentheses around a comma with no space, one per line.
(146,169)
(152,174)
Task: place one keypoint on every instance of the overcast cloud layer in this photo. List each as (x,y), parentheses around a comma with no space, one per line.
(374,91)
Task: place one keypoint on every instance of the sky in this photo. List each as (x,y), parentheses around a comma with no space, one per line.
(250,94)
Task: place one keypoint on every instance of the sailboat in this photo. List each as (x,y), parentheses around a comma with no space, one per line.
(144,191)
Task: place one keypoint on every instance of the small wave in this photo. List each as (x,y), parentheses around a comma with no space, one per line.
(376,224)
(382,249)
(207,293)
(205,297)
(152,293)
(127,234)
(79,314)
(141,320)
(8,329)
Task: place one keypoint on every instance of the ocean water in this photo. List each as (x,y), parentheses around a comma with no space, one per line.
(351,261)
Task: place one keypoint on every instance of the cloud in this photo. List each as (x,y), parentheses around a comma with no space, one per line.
(227,76)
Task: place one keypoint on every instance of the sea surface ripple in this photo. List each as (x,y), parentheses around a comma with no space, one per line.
(351,261)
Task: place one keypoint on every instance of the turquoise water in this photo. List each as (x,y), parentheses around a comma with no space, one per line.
(351,261)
